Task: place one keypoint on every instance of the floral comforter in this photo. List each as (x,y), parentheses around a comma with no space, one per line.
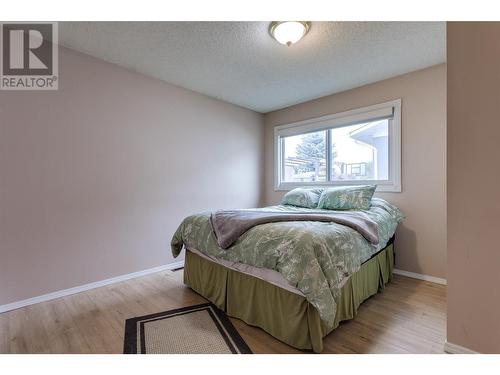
(315,257)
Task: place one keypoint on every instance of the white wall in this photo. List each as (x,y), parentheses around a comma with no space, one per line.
(95,177)
(473,51)
(421,239)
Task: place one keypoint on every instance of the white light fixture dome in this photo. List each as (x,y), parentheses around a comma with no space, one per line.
(289,32)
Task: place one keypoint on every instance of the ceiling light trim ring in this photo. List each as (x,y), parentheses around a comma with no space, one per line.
(274,24)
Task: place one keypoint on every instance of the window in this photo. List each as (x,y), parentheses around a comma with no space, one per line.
(354,147)
(305,157)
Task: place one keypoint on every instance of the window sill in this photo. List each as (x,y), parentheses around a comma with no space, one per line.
(386,187)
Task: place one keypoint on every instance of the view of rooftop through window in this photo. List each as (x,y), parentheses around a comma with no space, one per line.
(357,152)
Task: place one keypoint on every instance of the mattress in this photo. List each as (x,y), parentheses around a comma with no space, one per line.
(271,276)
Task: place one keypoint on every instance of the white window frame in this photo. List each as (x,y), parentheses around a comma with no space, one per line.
(365,114)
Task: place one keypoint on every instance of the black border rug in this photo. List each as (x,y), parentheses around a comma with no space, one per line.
(232,338)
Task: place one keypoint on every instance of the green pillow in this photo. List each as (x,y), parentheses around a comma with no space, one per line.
(347,197)
(302,197)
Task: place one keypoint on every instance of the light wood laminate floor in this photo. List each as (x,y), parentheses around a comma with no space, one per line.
(409,316)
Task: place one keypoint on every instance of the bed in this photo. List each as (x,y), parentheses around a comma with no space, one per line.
(297,280)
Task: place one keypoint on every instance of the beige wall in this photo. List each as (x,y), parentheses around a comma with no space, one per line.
(96,177)
(474,185)
(421,239)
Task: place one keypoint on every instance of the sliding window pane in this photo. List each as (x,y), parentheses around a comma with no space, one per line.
(304,157)
(360,152)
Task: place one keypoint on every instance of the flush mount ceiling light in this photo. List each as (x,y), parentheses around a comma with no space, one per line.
(289,32)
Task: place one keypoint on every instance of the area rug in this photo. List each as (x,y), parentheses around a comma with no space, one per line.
(200,329)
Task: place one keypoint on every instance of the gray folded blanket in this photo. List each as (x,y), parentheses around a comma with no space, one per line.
(229,225)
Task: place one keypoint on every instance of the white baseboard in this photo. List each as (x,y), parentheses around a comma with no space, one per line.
(457,349)
(83,288)
(171,266)
(420,276)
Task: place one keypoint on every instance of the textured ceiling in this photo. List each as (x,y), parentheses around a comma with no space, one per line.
(240,63)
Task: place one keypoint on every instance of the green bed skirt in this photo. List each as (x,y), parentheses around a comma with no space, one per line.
(283,314)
